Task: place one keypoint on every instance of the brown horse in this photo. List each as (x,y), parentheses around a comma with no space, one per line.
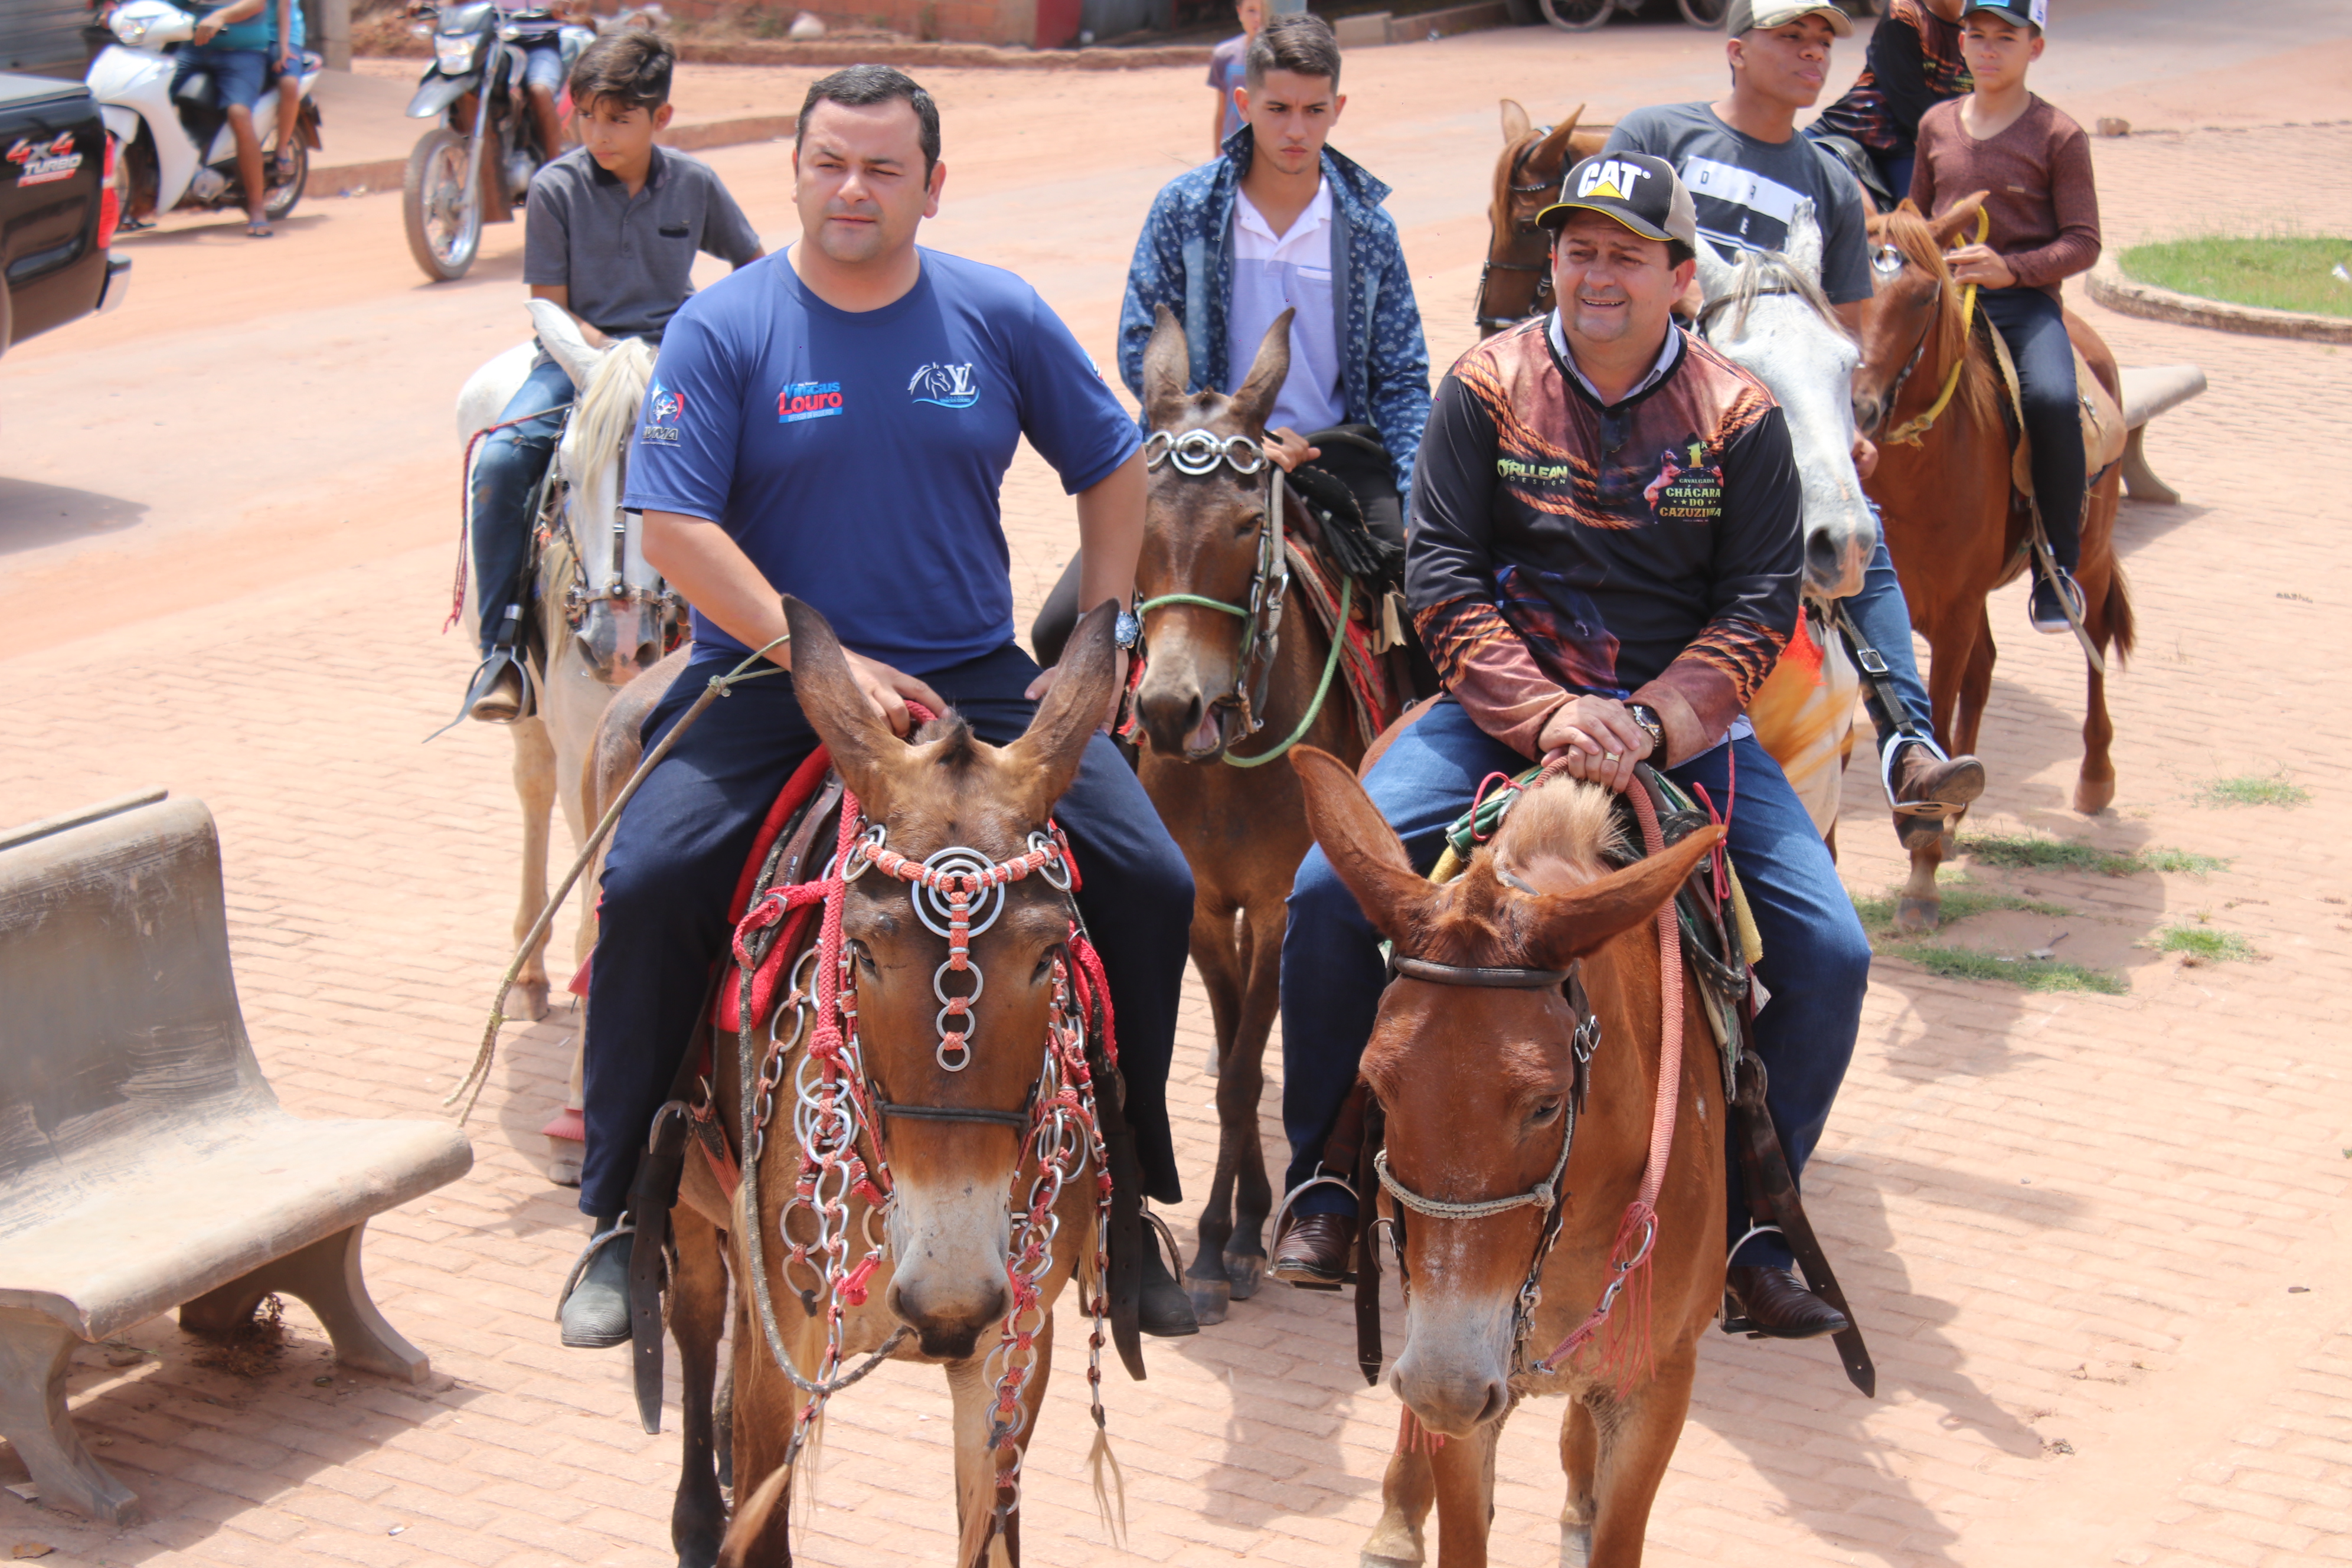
(1955,523)
(957,1151)
(1243,827)
(1498,1051)
(1516,281)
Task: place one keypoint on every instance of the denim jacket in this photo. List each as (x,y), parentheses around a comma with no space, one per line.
(1184,260)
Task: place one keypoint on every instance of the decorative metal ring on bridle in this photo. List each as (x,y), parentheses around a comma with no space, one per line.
(1547,1194)
(1198,452)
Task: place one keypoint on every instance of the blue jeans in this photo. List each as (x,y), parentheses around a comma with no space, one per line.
(1816,960)
(2034,326)
(508,466)
(680,845)
(1884,619)
(239,76)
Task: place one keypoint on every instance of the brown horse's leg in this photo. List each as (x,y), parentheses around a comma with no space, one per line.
(1241,1085)
(1464,1471)
(534,783)
(2103,599)
(1921,907)
(697,1313)
(1580,1461)
(1217,942)
(767,1405)
(1639,1436)
(975,1471)
(1408,1490)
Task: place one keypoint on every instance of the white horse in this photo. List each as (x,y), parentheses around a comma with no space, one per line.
(602,614)
(1767,313)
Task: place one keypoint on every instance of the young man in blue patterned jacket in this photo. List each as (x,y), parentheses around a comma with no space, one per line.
(1281,222)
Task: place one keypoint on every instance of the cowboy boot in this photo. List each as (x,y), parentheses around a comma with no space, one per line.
(595,1311)
(1314,1248)
(1163,1310)
(1937,789)
(1778,1307)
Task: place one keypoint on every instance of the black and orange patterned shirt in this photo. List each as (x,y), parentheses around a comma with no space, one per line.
(1648,550)
(1915,63)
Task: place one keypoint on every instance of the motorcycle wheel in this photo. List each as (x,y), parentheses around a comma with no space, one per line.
(444,213)
(1703,12)
(1577,15)
(280,198)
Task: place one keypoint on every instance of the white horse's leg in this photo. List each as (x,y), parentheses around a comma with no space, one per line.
(534,782)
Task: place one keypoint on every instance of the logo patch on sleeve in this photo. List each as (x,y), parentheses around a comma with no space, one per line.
(665,411)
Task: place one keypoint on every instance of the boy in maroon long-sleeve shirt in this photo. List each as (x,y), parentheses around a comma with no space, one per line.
(2034,166)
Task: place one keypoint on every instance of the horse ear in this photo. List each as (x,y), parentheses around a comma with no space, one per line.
(1804,250)
(1962,217)
(1555,150)
(861,743)
(1253,405)
(1716,276)
(1569,925)
(559,334)
(1049,753)
(1516,123)
(1361,846)
(1166,368)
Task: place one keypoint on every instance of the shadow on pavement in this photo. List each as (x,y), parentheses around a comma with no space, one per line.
(33,515)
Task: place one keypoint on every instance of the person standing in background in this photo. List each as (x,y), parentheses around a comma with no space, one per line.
(1913,63)
(1228,65)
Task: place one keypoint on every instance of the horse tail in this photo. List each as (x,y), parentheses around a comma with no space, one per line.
(759,1532)
(2122,629)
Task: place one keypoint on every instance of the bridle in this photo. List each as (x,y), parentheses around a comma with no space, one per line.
(1517,187)
(1547,1194)
(837,1111)
(1913,431)
(555,510)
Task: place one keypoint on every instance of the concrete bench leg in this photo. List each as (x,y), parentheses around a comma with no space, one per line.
(33,1355)
(326,1277)
(2140,482)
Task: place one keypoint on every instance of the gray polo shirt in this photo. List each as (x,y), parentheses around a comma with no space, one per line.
(628,260)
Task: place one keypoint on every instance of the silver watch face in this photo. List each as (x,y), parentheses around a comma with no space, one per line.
(1127,631)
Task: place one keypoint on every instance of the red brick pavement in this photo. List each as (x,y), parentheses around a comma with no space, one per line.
(2071,1223)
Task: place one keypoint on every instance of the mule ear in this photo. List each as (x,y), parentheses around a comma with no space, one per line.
(1361,846)
(559,334)
(1557,150)
(1804,252)
(1961,220)
(1049,753)
(1516,123)
(1254,403)
(1166,368)
(861,743)
(1716,277)
(1569,925)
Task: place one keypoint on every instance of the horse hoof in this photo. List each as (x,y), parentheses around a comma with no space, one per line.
(2094,797)
(1210,1298)
(1917,917)
(1246,1271)
(535,1000)
(1372,1558)
(564,1169)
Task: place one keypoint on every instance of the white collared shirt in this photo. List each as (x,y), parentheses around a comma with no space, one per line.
(1667,351)
(1272,273)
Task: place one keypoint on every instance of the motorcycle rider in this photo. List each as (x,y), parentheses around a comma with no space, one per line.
(232,42)
(539,28)
(610,234)
(287,58)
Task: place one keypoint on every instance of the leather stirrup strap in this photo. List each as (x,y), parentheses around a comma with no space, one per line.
(1772,1196)
(1127,1239)
(650,1200)
(1372,1133)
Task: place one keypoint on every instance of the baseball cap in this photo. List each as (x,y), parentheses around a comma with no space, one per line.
(1743,14)
(1642,193)
(2033,13)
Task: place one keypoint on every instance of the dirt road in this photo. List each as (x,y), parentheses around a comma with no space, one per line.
(2100,1242)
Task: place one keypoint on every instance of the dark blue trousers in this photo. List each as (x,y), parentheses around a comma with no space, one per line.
(2034,326)
(1816,960)
(679,847)
(508,466)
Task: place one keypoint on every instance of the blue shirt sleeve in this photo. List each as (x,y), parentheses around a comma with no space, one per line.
(1067,410)
(683,460)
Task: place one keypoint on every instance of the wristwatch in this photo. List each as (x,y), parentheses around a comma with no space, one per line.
(1647,717)
(1127,631)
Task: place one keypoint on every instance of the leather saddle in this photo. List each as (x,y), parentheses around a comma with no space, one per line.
(2104,430)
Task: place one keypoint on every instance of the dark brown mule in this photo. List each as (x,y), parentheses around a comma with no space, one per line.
(1243,828)
(1516,281)
(954,1179)
(1447,1057)
(1953,525)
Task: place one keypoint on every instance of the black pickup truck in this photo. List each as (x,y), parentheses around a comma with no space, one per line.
(58,207)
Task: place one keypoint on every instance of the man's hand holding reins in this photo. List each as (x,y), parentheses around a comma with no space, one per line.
(1288,448)
(1595,739)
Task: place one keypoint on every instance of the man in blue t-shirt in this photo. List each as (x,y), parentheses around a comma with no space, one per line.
(836,423)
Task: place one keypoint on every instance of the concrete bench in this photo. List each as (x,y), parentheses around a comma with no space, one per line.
(2149,391)
(146,1161)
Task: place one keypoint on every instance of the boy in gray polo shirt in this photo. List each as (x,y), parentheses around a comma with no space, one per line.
(611,234)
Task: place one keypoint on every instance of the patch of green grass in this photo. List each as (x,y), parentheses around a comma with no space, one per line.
(1960,900)
(2204,943)
(2276,271)
(2032,974)
(2254,790)
(2019,851)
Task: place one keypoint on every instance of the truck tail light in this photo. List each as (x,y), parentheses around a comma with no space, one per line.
(109,200)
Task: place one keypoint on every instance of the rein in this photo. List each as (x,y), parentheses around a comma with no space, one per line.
(1199,454)
(1479,318)
(1912,431)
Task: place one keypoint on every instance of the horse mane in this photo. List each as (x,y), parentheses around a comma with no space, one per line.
(1755,270)
(951,728)
(1910,233)
(1562,818)
(607,410)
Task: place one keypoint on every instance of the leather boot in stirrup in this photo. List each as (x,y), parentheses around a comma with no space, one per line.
(595,1311)
(1779,1307)
(1923,779)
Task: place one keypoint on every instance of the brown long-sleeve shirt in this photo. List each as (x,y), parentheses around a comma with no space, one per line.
(2040,197)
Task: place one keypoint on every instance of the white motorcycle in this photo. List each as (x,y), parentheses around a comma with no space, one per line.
(178,151)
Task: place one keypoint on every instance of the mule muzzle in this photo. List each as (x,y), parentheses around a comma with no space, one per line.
(1451,1401)
(1179,717)
(1455,1372)
(949,1323)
